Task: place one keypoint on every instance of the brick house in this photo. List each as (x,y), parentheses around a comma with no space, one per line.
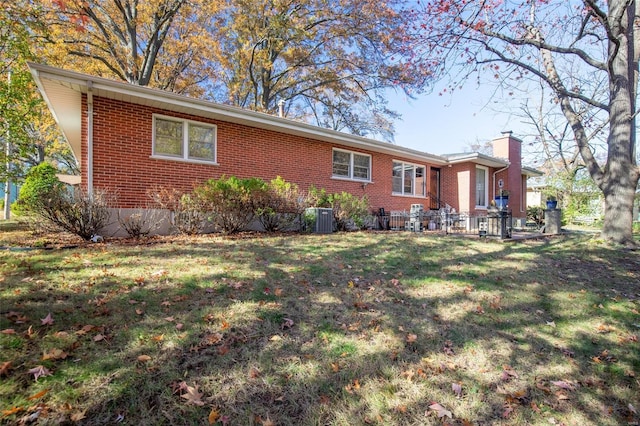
(130,138)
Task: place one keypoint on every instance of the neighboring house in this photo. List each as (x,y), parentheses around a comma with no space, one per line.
(131,138)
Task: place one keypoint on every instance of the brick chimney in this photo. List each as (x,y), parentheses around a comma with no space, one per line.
(509,147)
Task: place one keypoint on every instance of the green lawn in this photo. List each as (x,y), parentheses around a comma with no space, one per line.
(342,329)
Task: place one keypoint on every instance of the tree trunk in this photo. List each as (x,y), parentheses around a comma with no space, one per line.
(621,175)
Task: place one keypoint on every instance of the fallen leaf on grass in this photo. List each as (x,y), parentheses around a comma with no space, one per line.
(48,320)
(98,337)
(54,354)
(17,317)
(80,415)
(508,373)
(254,373)
(8,331)
(144,358)
(350,388)
(632,408)
(267,422)
(139,312)
(411,338)
(39,371)
(38,395)
(84,330)
(158,338)
(192,395)
(457,389)
(4,368)
(440,410)
(286,323)
(12,411)
(551,324)
(213,416)
(564,385)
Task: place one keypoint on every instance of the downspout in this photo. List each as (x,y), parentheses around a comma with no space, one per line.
(89,138)
(494,179)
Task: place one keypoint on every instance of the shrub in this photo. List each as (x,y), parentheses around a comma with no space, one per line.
(278,205)
(186,212)
(40,183)
(141,223)
(80,213)
(349,210)
(230,201)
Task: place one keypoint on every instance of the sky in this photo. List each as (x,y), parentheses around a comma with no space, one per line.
(450,123)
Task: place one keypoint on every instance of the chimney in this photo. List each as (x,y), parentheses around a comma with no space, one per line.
(281,108)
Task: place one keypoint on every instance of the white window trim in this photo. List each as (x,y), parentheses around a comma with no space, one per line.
(413,195)
(185,141)
(351,166)
(486,188)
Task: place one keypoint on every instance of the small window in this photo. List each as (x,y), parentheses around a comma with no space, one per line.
(482,182)
(408,179)
(351,165)
(184,139)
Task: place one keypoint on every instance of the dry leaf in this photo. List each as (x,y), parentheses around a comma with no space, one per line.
(632,408)
(77,416)
(411,338)
(158,338)
(192,395)
(98,337)
(440,410)
(39,371)
(179,326)
(139,312)
(38,395)
(48,320)
(286,323)
(144,358)
(564,385)
(4,368)
(335,367)
(254,373)
(457,389)
(8,331)
(54,354)
(12,411)
(213,416)
(268,422)
(278,291)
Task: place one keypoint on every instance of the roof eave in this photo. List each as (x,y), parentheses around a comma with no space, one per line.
(78,82)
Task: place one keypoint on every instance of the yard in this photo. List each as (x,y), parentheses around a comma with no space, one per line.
(342,329)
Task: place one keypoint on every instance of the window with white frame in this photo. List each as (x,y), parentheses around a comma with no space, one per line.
(408,179)
(184,139)
(482,184)
(351,165)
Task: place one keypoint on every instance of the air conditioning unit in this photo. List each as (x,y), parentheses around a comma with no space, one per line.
(320,220)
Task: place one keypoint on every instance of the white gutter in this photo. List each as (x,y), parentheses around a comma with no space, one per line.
(494,178)
(89,138)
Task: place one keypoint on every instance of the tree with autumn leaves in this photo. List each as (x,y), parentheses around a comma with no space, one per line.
(329,61)
(585,51)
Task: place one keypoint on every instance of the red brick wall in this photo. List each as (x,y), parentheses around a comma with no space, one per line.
(123,146)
